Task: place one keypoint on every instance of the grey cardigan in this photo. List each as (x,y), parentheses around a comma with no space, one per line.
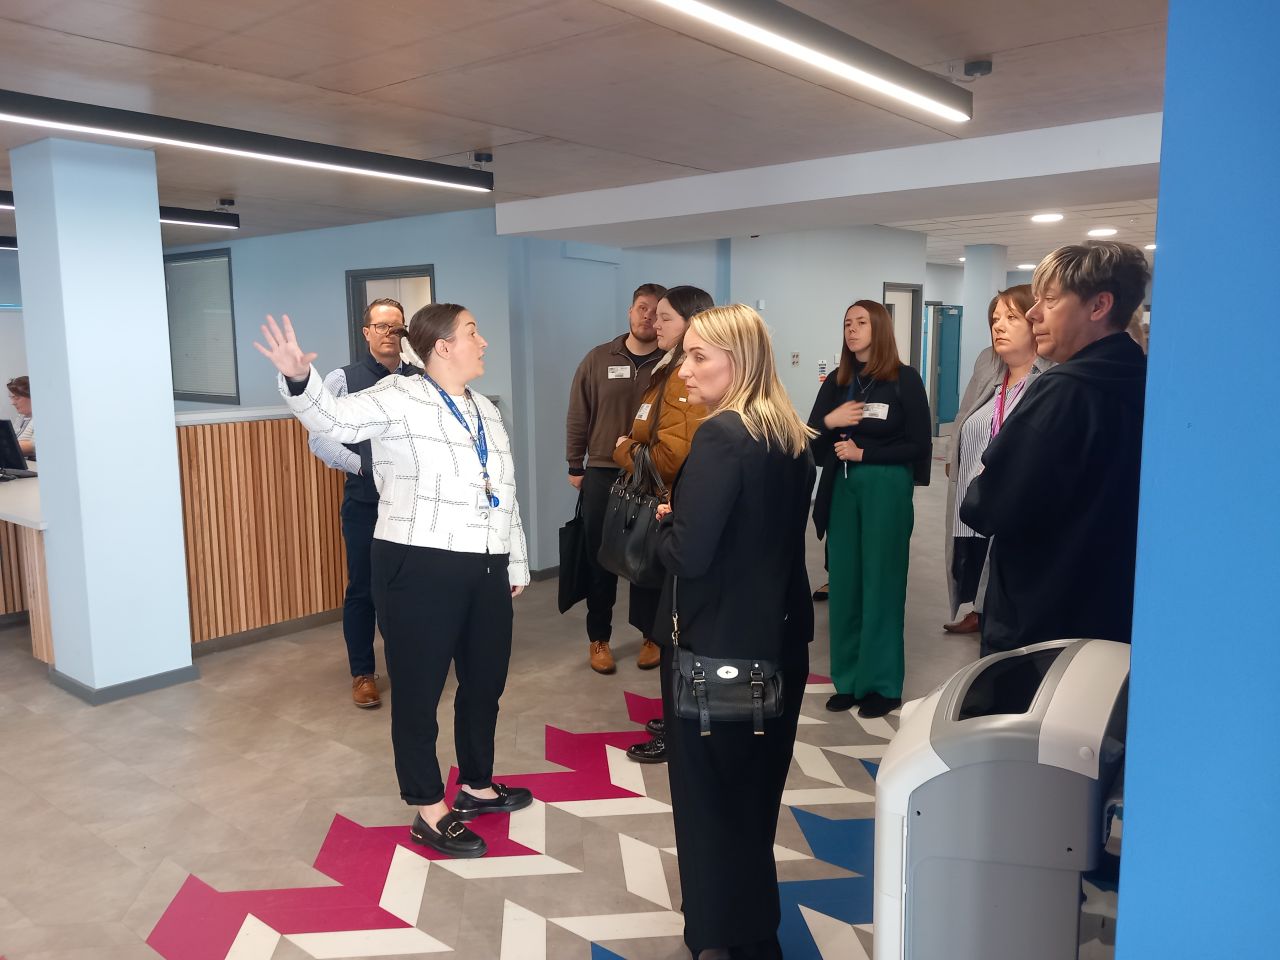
(988,372)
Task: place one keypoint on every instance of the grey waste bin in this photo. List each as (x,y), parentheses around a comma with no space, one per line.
(989,805)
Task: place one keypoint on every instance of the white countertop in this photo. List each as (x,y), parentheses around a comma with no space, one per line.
(189,418)
(20,503)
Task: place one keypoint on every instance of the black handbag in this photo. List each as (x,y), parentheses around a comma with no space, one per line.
(710,689)
(575,567)
(629,536)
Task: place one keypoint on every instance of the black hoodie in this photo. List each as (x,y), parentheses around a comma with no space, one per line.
(1059,493)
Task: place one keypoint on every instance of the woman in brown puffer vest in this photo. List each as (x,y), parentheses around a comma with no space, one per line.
(666,404)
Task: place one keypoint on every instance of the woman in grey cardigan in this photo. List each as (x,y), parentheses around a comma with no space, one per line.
(1000,378)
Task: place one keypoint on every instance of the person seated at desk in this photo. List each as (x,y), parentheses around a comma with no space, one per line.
(20,397)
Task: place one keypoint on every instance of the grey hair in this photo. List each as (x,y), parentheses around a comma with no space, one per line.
(1094,267)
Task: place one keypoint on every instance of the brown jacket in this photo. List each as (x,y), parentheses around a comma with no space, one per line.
(678,420)
(605,393)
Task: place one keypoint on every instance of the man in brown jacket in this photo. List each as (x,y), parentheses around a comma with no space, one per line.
(602,403)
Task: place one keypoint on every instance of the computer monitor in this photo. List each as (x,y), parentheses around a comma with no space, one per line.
(11,457)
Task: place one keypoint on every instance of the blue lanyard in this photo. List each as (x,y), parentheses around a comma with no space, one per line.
(478,439)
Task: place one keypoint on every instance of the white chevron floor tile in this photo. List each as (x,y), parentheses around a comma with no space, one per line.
(489,868)
(524,934)
(819,688)
(809,721)
(820,795)
(528,827)
(814,764)
(398,942)
(861,751)
(624,926)
(406,881)
(623,773)
(620,807)
(836,939)
(643,871)
(255,941)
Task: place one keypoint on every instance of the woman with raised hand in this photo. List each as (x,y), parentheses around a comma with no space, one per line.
(874,432)
(733,546)
(448,554)
(664,423)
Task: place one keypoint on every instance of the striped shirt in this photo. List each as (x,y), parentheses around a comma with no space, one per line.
(975,435)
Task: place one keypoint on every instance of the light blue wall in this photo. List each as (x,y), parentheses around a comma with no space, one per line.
(1201,865)
(808,278)
(1015,277)
(304,275)
(672,265)
(943,283)
(13,351)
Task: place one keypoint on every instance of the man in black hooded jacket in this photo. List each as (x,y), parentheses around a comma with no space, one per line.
(1059,488)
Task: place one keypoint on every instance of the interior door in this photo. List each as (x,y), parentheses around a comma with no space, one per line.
(948,353)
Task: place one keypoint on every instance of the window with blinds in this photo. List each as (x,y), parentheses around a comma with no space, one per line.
(202,330)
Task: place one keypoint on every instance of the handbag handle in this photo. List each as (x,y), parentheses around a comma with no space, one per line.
(675,613)
(644,474)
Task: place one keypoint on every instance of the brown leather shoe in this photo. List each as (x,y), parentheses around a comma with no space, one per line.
(364,691)
(602,657)
(969,623)
(650,655)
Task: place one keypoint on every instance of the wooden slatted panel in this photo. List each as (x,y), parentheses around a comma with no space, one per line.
(36,590)
(12,597)
(264,541)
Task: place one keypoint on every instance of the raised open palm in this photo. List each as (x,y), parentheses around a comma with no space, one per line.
(282,349)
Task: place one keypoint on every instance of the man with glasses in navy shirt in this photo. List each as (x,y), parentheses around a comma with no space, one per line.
(382,327)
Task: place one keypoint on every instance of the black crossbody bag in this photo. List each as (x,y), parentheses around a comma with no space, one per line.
(710,689)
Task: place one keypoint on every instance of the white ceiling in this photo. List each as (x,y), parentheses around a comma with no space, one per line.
(1029,242)
(569,94)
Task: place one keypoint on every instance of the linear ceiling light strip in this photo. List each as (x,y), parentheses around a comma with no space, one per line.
(72,117)
(179,215)
(801,37)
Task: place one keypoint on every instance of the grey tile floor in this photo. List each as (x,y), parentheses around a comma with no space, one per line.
(236,778)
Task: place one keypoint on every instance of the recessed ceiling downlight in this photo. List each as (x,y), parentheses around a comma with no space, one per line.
(1046,218)
(1103,232)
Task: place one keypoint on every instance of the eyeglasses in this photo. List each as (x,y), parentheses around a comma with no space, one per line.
(382,329)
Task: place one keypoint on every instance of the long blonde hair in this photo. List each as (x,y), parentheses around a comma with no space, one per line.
(755,393)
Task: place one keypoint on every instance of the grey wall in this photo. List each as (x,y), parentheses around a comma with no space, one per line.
(943,284)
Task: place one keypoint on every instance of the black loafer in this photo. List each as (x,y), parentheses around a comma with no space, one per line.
(874,705)
(508,800)
(840,702)
(656,727)
(451,836)
(651,751)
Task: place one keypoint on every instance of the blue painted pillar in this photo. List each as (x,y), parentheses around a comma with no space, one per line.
(1201,863)
(97,340)
(985,272)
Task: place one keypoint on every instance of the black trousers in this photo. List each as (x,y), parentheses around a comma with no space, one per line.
(968,556)
(726,790)
(437,607)
(604,585)
(358,618)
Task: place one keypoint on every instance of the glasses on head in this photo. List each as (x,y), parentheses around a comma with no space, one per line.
(382,329)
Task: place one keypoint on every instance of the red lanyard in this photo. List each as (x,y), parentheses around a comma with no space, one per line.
(997,419)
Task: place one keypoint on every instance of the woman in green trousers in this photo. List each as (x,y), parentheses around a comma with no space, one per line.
(873,444)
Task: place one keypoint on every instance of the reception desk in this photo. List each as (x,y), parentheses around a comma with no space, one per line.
(22,573)
(260,518)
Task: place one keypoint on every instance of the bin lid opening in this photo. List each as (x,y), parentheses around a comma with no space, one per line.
(1007,686)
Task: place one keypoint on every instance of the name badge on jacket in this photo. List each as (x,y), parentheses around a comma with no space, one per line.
(875,411)
(622,372)
(643,412)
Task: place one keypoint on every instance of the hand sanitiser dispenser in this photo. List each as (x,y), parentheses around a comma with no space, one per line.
(989,805)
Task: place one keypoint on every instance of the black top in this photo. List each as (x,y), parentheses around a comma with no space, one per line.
(1059,493)
(362,375)
(903,436)
(735,538)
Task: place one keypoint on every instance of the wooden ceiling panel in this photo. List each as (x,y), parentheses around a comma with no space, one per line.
(502,37)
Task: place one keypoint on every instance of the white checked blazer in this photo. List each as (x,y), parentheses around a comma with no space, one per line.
(425,466)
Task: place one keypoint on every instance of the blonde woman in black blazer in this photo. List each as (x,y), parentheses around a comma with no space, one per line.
(734,537)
